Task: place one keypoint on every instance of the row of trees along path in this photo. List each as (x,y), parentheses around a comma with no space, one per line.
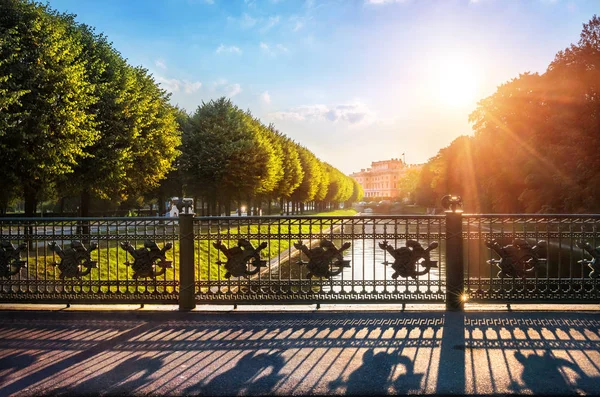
(77,121)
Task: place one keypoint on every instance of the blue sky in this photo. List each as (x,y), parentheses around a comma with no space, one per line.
(355,81)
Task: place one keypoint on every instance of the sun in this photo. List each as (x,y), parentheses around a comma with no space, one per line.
(456,83)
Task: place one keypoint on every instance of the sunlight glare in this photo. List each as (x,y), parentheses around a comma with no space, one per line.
(456,83)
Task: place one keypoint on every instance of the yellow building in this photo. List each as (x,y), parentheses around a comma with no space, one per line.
(381,180)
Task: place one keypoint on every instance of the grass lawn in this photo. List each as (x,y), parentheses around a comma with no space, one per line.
(280,235)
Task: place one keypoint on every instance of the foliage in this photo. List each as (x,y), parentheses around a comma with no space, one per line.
(45,126)
(357,192)
(77,120)
(293,173)
(535,142)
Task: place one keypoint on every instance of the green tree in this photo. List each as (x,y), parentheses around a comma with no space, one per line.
(322,185)
(408,182)
(227,155)
(357,193)
(293,173)
(307,189)
(156,136)
(45,124)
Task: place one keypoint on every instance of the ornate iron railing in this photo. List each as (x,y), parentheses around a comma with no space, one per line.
(447,258)
(89,260)
(319,259)
(531,258)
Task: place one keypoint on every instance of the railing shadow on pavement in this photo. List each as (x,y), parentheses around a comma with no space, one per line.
(370,353)
(539,353)
(14,362)
(126,376)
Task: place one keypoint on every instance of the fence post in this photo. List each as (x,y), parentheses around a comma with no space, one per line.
(187,282)
(454,258)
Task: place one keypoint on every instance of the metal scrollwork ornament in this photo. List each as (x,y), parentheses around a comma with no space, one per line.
(10,258)
(75,261)
(323,257)
(146,260)
(593,263)
(407,258)
(519,258)
(241,258)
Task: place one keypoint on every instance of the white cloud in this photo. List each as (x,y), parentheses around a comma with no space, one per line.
(221,87)
(266,97)
(233,89)
(171,85)
(219,82)
(228,49)
(352,113)
(296,22)
(273,50)
(175,85)
(191,87)
(160,63)
(246,22)
(271,22)
(297,26)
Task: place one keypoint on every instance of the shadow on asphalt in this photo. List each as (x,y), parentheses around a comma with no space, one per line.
(372,353)
(375,373)
(243,375)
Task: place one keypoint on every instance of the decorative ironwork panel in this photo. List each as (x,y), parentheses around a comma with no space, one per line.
(80,260)
(317,259)
(531,258)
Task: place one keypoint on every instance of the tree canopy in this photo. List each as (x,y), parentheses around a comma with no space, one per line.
(534,144)
(76,120)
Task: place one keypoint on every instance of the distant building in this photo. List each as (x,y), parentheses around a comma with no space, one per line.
(381,180)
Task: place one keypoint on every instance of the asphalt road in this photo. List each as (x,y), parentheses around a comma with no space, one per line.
(298,353)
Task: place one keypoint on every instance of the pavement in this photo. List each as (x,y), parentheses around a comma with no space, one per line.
(356,350)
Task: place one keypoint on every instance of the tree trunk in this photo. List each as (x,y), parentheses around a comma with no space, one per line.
(30,200)
(213,207)
(84,204)
(258,207)
(84,210)
(161,204)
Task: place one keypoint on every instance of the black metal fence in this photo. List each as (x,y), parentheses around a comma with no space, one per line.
(319,259)
(532,258)
(449,258)
(87,260)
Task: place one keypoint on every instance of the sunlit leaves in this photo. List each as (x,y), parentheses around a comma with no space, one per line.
(46,124)
(536,141)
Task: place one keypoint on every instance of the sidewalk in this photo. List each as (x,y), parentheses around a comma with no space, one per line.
(77,352)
